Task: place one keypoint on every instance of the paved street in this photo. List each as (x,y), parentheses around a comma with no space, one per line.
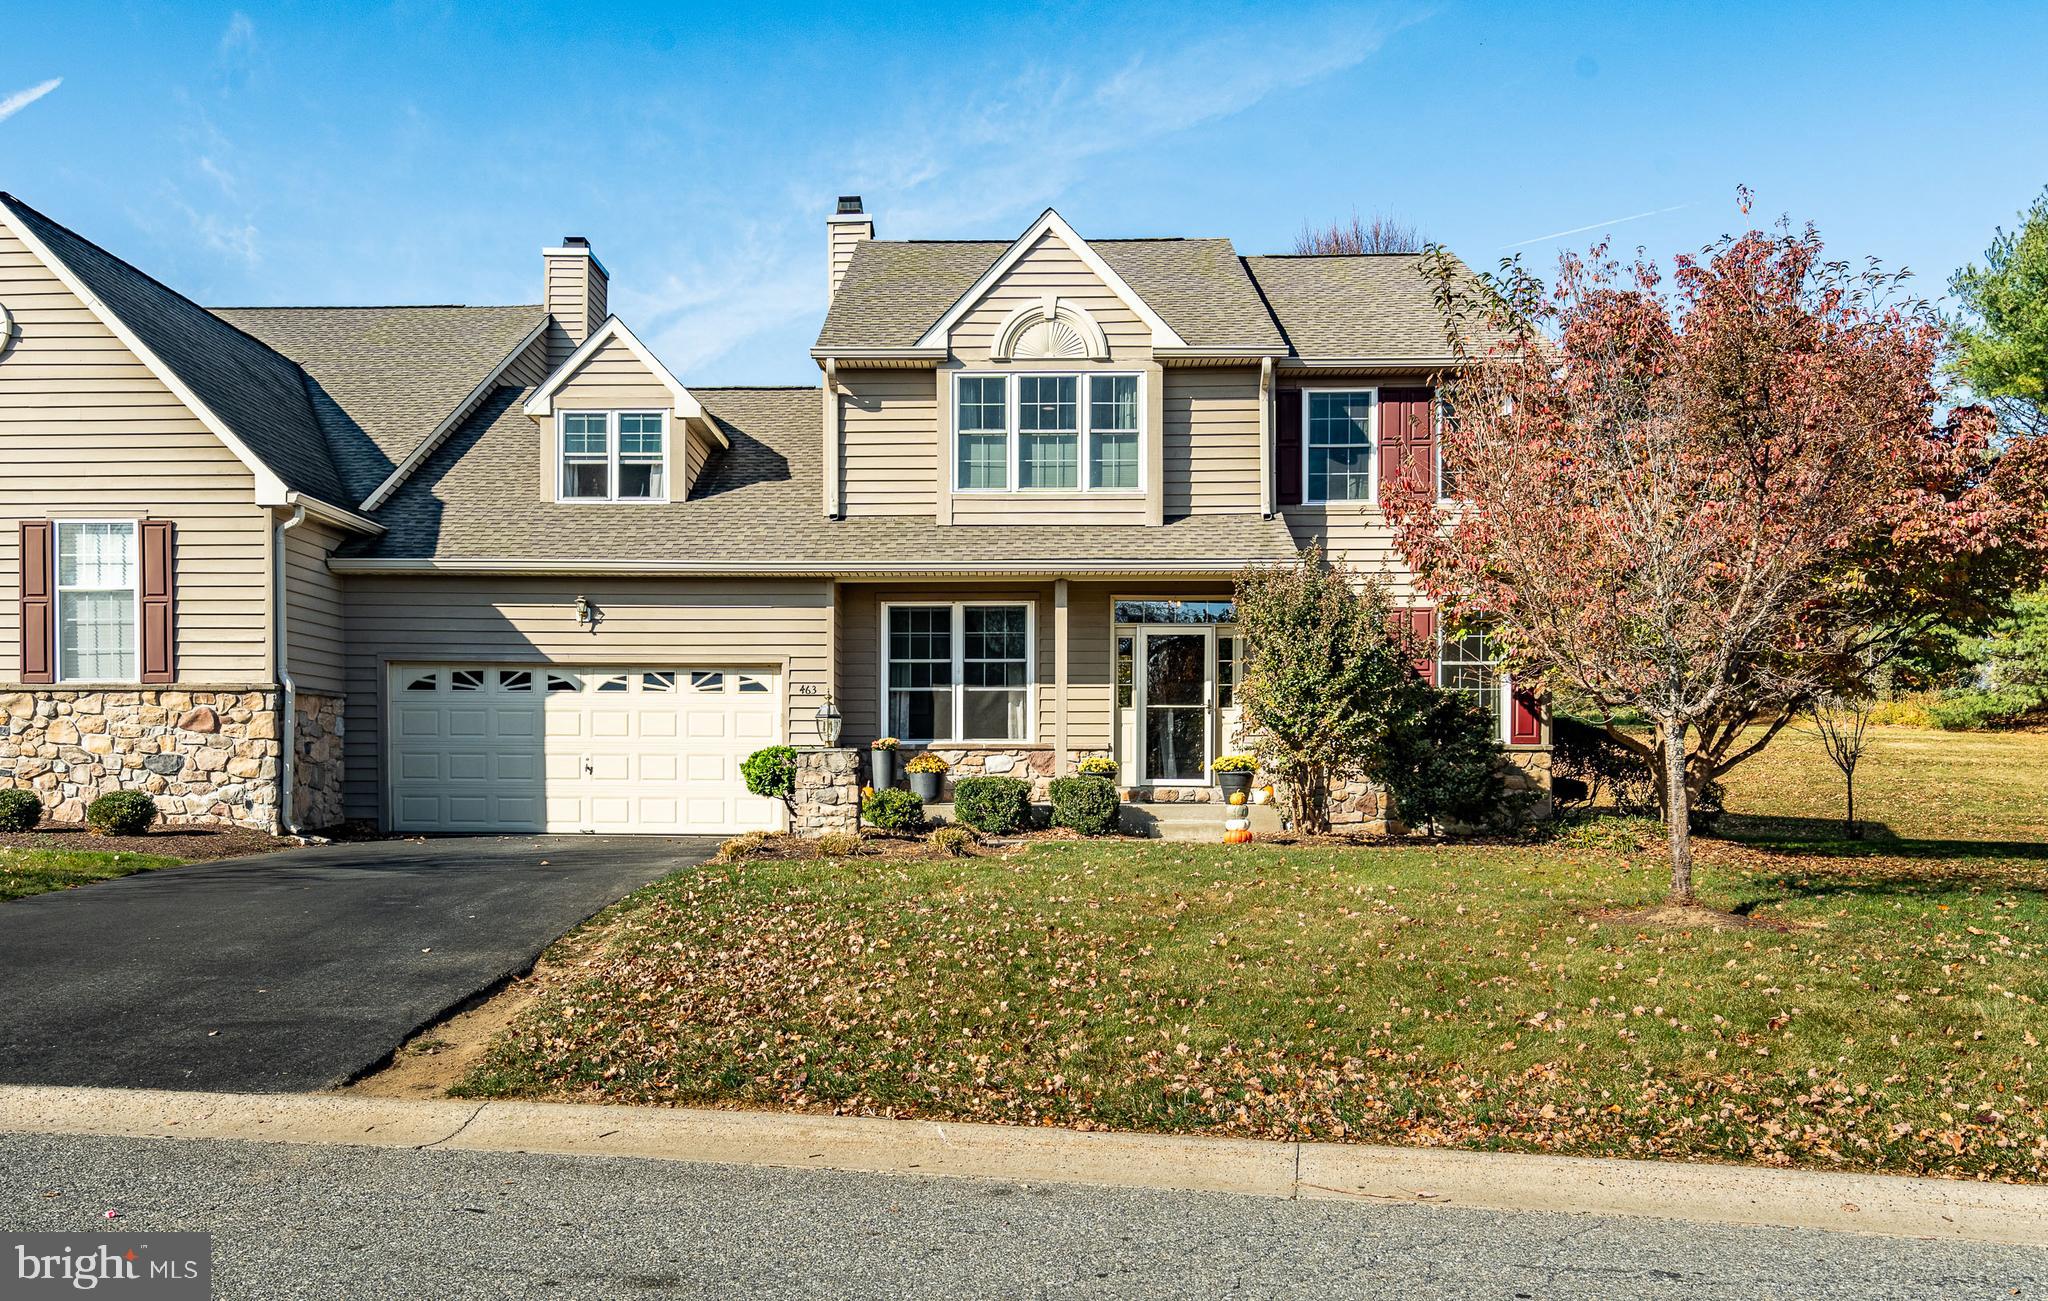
(326,1221)
(290,971)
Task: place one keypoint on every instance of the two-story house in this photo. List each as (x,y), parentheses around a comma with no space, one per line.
(457,568)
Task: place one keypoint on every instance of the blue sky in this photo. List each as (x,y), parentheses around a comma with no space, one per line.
(425,152)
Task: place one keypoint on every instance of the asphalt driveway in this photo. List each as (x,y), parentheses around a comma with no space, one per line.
(290,971)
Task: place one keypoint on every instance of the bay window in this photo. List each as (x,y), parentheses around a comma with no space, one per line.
(97,614)
(958,672)
(614,456)
(1337,442)
(1046,433)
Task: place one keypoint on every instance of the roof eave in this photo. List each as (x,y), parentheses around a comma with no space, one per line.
(789,569)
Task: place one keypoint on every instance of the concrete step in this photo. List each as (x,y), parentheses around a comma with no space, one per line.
(1190,822)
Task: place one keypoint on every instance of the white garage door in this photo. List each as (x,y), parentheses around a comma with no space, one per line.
(488,747)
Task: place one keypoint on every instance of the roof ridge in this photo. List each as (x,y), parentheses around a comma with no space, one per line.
(373,307)
(1305,256)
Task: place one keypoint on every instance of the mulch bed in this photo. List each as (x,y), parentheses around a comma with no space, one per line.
(193,844)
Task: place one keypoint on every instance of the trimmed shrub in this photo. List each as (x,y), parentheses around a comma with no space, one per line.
(1086,804)
(121,813)
(894,809)
(771,772)
(1443,766)
(20,810)
(1583,753)
(994,806)
(952,840)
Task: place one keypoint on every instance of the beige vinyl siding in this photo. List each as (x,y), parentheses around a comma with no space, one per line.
(529,369)
(891,425)
(314,629)
(696,454)
(1049,267)
(578,297)
(1212,441)
(1358,537)
(781,624)
(612,378)
(85,431)
(1090,658)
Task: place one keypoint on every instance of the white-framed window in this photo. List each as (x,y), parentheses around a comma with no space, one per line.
(958,671)
(99,614)
(1340,444)
(613,455)
(1048,432)
(1468,662)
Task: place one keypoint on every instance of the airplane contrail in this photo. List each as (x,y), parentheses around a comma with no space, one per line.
(1612,221)
(21,99)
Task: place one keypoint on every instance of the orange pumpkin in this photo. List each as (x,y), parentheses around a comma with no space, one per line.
(1238,836)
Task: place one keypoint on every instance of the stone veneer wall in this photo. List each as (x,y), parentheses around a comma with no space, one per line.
(207,756)
(827,795)
(316,761)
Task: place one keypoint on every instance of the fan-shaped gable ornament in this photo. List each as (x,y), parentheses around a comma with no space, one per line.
(1051,330)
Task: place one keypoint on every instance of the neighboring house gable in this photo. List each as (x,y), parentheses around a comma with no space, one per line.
(89,431)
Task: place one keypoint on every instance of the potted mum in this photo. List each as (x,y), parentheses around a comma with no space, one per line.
(1099,765)
(927,776)
(882,756)
(1234,772)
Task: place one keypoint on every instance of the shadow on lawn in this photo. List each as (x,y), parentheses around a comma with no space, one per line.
(1823,836)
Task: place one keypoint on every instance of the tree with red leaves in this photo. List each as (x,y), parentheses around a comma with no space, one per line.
(1716,502)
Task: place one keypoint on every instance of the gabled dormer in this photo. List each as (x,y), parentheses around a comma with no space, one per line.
(1028,382)
(616,425)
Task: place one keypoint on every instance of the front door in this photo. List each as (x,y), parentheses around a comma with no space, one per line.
(1174,706)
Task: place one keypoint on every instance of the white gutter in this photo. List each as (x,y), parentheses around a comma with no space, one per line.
(326,513)
(289,708)
(757,569)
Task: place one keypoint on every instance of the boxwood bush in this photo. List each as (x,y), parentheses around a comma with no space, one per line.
(892,809)
(121,813)
(994,806)
(771,772)
(20,810)
(1087,804)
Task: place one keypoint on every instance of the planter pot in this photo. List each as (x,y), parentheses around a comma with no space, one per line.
(928,786)
(884,764)
(1233,781)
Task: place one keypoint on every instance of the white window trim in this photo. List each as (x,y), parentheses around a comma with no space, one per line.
(959,646)
(1372,487)
(1503,717)
(57,590)
(1013,442)
(611,445)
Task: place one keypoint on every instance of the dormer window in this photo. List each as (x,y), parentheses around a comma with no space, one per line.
(614,455)
(1047,432)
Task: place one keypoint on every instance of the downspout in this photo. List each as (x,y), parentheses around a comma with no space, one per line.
(1266,506)
(288,709)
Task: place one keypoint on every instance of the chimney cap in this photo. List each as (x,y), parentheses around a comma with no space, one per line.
(575,241)
(849,205)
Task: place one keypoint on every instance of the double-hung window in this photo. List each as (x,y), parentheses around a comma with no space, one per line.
(1337,443)
(97,614)
(1046,433)
(958,672)
(1468,663)
(614,456)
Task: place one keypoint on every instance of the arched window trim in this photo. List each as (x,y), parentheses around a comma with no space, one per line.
(1048,311)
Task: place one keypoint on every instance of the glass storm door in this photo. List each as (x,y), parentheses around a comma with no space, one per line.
(1174,729)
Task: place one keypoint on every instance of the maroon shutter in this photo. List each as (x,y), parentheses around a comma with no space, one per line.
(1525,724)
(1287,444)
(38,604)
(1407,437)
(1422,619)
(157,651)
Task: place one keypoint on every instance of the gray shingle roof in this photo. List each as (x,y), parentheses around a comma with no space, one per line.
(1376,305)
(894,290)
(259,395)
(759,504)
(385,377)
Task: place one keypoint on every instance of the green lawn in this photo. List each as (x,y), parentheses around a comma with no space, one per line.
(1885,1012)
(24,872)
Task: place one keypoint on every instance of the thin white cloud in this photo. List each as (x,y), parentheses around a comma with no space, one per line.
(1598,225)
(21,99)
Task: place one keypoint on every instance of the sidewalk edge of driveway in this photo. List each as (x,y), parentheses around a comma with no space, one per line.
(1800,1199)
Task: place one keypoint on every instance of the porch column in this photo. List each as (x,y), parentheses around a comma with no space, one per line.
(1061,751)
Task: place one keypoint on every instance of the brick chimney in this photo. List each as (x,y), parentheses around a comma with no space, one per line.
(576,290)
(845,228)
